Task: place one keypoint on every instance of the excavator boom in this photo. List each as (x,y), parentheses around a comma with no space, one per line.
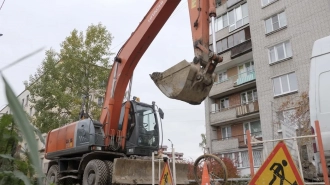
(188,82)
(126,61)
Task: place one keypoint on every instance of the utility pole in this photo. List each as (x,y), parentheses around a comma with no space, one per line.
(173,161)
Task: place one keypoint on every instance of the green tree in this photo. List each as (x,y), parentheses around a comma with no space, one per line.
(78,72)
(11,159)
(202,144)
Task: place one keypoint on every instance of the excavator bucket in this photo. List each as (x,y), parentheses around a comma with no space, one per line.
(184,81)
(139,171)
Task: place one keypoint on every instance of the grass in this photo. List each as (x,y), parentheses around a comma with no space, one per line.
(23,124)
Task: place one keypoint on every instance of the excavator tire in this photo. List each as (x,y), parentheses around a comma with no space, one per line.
(53,176)
(109,170)
(95,173)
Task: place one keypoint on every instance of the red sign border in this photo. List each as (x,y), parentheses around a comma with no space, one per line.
(169,169)
(279,145)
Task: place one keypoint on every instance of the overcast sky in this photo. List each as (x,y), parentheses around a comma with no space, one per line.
(29,25)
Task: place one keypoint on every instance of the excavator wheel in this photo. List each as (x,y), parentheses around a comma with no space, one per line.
(109,170)
(53,176)
(95,173)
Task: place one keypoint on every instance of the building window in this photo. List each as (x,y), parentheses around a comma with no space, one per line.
(257,158)
(275,22)
(279,52)
(254,127)
(238,17)
(234,19)
(246,69)
(31,111)
(215,105)
(219,104)
(100,101)
(233,40)
(249,96)
(241,159)
(224,103)
(220,23)
(245,159)
(222,76)
(285,84)
(226,132)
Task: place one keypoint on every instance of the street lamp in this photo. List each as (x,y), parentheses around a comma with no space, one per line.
(1,34)
(173,161)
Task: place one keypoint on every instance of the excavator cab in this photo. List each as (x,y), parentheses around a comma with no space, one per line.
(142,136)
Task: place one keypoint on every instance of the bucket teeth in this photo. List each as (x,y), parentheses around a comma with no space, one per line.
(155,76)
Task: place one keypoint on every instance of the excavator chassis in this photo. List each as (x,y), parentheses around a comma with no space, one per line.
(117,169)
(139,171)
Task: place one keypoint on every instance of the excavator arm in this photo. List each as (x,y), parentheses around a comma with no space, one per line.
(192,82)
(196,76)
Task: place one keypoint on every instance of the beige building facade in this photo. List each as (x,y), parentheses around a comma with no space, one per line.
(266,47)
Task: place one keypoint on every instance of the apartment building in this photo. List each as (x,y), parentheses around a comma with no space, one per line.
(283,33)
(232,105)
(266,46)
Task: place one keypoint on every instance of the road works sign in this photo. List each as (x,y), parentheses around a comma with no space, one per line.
(278,169)
(166,178)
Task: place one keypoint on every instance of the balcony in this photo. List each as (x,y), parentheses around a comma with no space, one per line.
(233,84)
(241,49)
(231,3)
(235,114)
(234,142)
(247,109)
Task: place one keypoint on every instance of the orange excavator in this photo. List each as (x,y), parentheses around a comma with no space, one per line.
(116,148)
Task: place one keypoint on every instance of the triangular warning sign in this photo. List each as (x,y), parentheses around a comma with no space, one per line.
(166,178)
(278,168)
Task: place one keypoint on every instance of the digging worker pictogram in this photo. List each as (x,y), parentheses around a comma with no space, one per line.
(279,173)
